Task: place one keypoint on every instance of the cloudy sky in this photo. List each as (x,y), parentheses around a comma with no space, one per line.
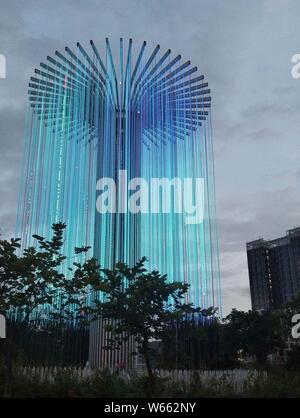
(244,49)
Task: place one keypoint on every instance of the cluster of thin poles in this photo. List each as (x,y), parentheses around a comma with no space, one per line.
(92,115)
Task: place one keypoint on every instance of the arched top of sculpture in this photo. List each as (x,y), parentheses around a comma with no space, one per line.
(155,90)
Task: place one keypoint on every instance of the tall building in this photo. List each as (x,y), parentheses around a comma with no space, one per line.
(274,270)
(121,118)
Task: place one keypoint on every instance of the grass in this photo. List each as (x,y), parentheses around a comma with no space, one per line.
(65,384)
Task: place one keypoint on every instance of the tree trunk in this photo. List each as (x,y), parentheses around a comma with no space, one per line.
(9,361)
(151,375)
(261,359)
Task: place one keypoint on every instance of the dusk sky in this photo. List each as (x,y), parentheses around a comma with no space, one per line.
(243,48)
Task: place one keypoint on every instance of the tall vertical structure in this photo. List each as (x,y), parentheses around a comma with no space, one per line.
(274,270)
(149,116)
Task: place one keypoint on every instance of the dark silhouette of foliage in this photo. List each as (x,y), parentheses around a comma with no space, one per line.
(141,305)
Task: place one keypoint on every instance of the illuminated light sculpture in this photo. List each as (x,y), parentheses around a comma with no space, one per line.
(152,120)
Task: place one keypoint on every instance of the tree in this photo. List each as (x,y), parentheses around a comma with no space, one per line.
(194,343)
(137,304)
(33,282)
(141,305)
(256,333)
